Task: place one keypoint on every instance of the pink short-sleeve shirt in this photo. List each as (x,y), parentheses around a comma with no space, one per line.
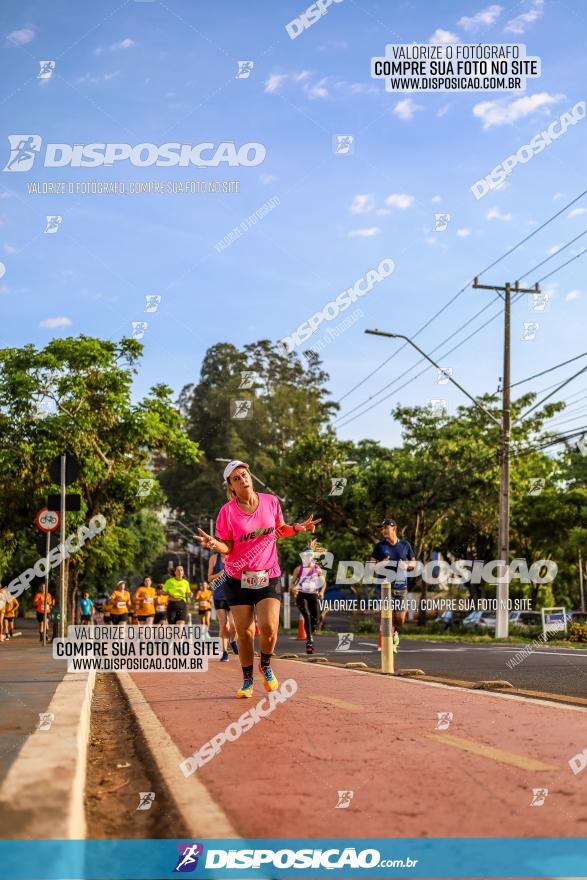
(253,536)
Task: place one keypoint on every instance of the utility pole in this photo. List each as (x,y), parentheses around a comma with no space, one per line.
(503,540)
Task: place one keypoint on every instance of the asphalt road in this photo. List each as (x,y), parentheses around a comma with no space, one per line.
(551,670)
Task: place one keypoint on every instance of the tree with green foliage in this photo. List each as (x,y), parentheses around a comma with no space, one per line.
(75,396)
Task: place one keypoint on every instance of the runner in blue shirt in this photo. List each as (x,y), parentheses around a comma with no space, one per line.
(399,552)
(87,608)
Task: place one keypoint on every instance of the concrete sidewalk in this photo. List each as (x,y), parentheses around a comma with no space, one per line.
(28,680)
(377,737)
(42,771)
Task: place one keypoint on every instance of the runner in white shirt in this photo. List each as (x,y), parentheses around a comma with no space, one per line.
(309,585)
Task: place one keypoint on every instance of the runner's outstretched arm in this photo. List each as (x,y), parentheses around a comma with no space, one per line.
(286,531)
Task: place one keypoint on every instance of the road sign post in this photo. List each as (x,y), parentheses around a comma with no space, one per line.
(386,629)
(48,522)
(62,585)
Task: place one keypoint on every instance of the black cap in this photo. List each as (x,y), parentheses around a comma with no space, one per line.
(388,522)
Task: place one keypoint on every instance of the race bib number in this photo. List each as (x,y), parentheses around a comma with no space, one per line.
(121,604)
(254,580)
(160,608)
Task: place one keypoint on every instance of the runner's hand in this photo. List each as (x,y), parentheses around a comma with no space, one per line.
(310,523)
(205,539)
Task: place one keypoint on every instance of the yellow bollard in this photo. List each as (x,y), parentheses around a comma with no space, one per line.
(386,629)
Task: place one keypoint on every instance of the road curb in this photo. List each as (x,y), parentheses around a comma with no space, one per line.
(42,797)
(202,815)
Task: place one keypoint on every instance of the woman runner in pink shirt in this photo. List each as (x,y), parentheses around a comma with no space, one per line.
(247,528)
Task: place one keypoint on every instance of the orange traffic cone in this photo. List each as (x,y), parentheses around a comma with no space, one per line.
(379,639)
(301,636)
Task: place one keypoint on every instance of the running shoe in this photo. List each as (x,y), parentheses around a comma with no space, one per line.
(395,641)
(234,647)
(309,647)
(270,682)
(246,691)
(225,658)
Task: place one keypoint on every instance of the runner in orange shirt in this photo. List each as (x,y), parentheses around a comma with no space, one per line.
(9,614)
(121,603)
(43,611)
(144,601)
(161,600)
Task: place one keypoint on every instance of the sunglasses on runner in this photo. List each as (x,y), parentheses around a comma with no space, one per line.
(389,522)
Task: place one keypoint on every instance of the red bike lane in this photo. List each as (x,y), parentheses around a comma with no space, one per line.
(379,738)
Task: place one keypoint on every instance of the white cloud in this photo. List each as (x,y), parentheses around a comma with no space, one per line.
(496,214)
(556,196)
(21,37)
(127,43)
(484,18)
(435,199)
(405,109)
(399,200)
(317,90)
(499,112)
(464,232)
(9,249)
(368,232)
(273,84)
(518,24)
(441,36)
(301,76)
(362,203)
(573,294)
(554,249)
(267,178)
(442,111)
(51,323)
(576,212)
(93,80)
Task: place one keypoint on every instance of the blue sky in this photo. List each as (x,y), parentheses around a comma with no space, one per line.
(165,72)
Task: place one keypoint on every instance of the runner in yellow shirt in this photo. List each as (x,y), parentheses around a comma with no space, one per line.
(107,611)
(179,591)
(144,601)
(10,612)
(121,603)
(204,600)
(161,602)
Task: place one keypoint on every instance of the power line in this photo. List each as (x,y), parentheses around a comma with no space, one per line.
(556,253)
(462,290)
(550,369)
(576,257)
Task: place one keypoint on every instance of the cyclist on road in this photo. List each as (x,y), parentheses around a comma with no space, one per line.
(399,551)
(309,585)
(227,629)
(179,591)
(247,528)
(144,601)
